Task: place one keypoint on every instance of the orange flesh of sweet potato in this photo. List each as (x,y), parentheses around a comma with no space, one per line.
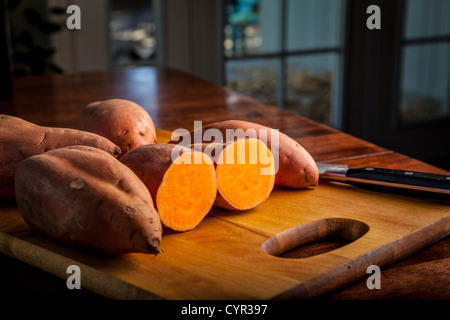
(183,190)
(245,174)
(187,192)
(83,197)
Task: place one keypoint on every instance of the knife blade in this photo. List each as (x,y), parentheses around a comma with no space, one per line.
(389,180)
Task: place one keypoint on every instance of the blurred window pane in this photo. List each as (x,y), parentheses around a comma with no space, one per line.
(282,70)
(425,83)
(425,64)
(257,78)
(252,27)
(132,29)
(312,82)
(433,16)
(313,24)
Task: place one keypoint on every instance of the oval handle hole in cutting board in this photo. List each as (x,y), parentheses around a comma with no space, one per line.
(315,237)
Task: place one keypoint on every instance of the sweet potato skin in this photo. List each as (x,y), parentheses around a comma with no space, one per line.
(296,167)
(21,139)
(88,200)
(123,122)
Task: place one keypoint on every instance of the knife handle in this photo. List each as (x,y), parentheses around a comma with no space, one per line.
(400,179)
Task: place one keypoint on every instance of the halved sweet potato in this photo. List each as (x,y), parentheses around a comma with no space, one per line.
(87,199)
(295,167)
(182,184)
(21,139)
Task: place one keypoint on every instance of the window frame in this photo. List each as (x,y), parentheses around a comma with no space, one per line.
(370,82)
(372,92)
(283,54)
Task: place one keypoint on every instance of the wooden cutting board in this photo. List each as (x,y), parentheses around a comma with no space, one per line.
(237,255)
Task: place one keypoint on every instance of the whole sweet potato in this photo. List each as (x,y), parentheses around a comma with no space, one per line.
(295,167)
(20,139)
(87,199)
(123,122)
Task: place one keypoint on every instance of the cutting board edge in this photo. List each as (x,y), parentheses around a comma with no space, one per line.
(94,280)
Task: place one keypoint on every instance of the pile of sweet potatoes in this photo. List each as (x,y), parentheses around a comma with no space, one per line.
(110,187)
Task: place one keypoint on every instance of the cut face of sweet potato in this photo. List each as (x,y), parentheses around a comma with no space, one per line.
(245,174)
(187,192)
(183,186)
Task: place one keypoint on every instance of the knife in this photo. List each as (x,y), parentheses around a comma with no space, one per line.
(405,182)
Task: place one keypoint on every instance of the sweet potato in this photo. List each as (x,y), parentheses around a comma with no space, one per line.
(20,139)
(183,190)
(123,122)
(87,199)
(295,167)
(245,171)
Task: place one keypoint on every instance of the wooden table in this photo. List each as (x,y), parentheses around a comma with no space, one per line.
(175,100)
